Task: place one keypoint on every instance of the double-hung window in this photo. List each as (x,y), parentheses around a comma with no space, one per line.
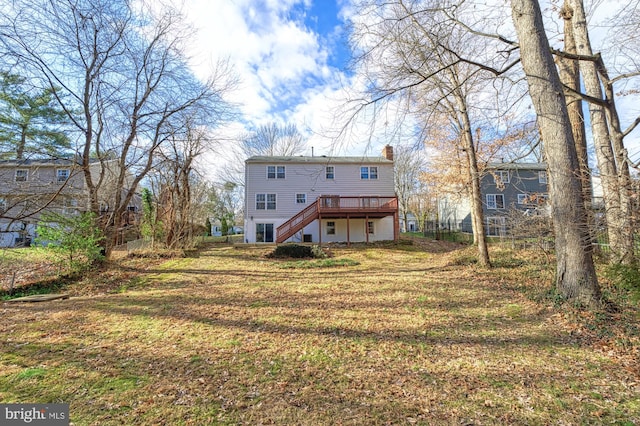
(367,172)
(542,177)
(501,177)
(22,175)
(301,198)
(62,175)
(265,201)
(370,228)
(495,201)
(329,172)
(275,172)
(331,228)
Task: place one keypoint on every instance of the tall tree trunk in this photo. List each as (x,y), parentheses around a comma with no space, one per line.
(620,235)
(477,215)
(570,77)
(624,175)
(575,272)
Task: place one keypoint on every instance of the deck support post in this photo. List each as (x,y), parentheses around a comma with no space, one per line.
(366,227)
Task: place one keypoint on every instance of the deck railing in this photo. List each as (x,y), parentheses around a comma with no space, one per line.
(335,205)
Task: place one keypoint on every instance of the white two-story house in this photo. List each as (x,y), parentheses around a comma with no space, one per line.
(320,199)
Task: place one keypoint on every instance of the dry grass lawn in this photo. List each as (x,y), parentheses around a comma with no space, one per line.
(404,334)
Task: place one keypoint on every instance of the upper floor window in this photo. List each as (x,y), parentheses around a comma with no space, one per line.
(265,201)
(501,177)
(301,198)
(368,172)
(329,172)
(22,175)
(542,177)
(62,175)
(495,201)
(275,172)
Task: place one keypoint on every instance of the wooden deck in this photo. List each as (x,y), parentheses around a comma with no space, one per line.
(337,207)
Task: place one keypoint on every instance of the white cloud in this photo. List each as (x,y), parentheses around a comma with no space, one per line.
(272,54)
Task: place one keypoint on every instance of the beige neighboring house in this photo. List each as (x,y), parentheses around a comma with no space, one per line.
(29,188)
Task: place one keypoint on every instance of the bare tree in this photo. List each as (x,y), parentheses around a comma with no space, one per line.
(570,77)
(415,51)
(121,76)
(575,272)
(409,164)
(274,140)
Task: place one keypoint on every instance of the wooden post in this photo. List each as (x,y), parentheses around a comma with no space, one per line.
(366,227)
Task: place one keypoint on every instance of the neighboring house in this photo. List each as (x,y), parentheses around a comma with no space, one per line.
(411,225)
(216,229)
(29,188)
(506,189)
(320,199)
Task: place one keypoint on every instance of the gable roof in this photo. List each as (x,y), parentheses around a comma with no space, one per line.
(517,166)
(323,159)
(28,162)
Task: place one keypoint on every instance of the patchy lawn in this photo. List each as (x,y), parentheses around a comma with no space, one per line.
(400,334)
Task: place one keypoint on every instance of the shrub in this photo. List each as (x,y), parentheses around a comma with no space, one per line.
(625,277)
(77,238)
(297,251)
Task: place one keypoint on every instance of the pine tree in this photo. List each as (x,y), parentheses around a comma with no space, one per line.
(31,124)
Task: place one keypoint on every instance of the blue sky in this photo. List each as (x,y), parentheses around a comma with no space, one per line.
(291,58)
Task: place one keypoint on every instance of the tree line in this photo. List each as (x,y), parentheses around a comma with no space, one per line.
(468,78)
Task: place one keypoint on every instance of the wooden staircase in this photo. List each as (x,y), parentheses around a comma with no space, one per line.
(297,222)
(334,206)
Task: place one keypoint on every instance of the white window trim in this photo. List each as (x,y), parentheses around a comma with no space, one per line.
(523,198)
(499,177)
(332,173)
(304,198)
(26,175)
(369,176)
(58,175)
(266,201)
(276,174)
(542,177)
(492,201)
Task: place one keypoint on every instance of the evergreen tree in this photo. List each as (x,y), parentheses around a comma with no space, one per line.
(31,124)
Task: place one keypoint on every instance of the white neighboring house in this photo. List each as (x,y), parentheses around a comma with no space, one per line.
(320,199)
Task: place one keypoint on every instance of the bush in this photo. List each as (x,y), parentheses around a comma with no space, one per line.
(77,238)
(624,277)
(296,251)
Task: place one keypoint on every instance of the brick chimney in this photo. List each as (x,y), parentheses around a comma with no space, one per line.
(387,152)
